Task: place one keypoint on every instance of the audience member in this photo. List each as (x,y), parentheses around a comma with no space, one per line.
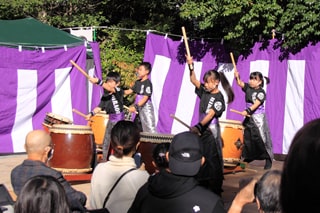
(300,184)
(176,189)
(42,194)
(159,156)
(265,191)
(39,149)
(125,136)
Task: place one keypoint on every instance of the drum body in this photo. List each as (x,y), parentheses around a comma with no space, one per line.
(147,143)
(232,137)
(52,119)
(73,148)
(98,124)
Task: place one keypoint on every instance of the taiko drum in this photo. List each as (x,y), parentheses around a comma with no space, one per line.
(148,143)
(73,148)
(232,136)
(98,124)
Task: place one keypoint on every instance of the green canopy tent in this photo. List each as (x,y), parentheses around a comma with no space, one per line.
(30,32)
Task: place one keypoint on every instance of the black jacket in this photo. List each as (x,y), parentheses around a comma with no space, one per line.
(31,168)
(166,192)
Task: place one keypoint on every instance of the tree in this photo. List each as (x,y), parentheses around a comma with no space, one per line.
(243,22)
(58,13)
(300,24)
(240,23)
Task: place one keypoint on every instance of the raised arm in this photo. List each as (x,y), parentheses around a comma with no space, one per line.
(193,78)
(237,76)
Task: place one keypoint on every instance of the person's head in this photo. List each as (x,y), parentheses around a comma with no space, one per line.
(112,81)
(256,79)
(185,155)
(144,70)
(267,192)
(211,80)
(42,194)
(38,145)
(300,184)
(125,137)
(159,156)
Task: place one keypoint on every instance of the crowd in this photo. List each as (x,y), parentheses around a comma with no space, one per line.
(173,187)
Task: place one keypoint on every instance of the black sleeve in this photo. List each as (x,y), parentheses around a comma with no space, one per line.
(141,195)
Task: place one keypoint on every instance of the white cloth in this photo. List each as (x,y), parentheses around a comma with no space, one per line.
(105,175)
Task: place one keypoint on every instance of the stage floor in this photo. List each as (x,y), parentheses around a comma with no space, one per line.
(230,184)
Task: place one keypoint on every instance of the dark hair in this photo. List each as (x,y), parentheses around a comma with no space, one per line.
(125,135)
(300,184)
(146,65)
(159,155)
(267,191)
(42,194)
(259,75)
(224,82)
(115,76)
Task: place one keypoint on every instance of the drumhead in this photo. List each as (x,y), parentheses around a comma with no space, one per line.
(155,137)
(69,128)
(102,114)
(231,161)
(231,123)
(59,117)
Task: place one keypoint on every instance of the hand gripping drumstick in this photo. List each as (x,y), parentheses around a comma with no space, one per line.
(180,121)
(124,106)
(183,123)
(238,112)
(80,69)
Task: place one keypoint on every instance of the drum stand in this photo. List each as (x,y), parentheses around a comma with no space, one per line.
(74,177)
(241,167)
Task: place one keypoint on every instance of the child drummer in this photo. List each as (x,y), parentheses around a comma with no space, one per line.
(143,88)
(112,103)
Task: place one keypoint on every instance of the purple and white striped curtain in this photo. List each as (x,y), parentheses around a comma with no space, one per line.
(292,95)
(36,82)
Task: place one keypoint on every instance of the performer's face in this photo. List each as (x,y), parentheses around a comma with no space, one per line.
(254,82)
(110,85)
(142,72)
(211,84)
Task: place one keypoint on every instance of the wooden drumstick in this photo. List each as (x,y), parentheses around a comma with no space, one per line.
(233,62)
(183,123)
(180,121)
(185,40)
(81,114)
(124,106)
(79,68)
(238,112)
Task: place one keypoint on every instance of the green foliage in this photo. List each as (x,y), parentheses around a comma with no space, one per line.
(120,58)
(239,22)
(300,24)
